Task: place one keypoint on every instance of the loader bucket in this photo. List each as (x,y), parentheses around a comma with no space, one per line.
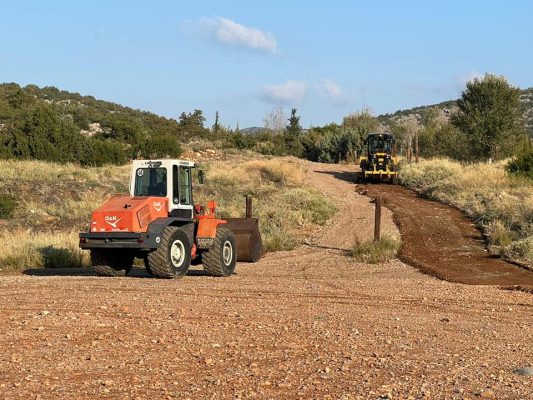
(249,242)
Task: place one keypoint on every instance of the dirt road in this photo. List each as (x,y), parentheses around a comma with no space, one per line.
(308,323)
(440,241)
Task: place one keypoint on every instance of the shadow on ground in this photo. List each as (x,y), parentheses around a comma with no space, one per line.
(342,175)
(136,272)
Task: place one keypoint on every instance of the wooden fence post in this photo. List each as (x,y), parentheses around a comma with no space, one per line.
(249,209)
(377,219)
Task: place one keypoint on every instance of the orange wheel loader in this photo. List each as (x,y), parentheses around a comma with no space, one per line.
(159,223)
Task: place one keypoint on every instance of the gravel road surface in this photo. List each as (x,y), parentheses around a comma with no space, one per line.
(309,323)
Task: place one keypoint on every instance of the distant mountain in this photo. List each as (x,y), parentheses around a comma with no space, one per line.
(447,108)
(253,130)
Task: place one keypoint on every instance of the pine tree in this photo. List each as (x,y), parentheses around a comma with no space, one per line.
(216,125)
(294,128)
(293,131)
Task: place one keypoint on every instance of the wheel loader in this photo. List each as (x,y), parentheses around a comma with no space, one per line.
(159,223)
(379,162)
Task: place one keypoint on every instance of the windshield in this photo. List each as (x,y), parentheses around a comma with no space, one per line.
(379,143)
(151,182)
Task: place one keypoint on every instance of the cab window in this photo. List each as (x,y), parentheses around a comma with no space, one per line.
(151,182)
(182,185)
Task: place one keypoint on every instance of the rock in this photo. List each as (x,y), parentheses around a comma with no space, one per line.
(524,371)
(487,394)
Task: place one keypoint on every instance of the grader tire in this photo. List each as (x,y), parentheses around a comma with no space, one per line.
(173,257)
(221,258)
(111,263)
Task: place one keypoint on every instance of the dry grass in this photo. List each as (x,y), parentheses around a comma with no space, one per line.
(376,252)
(55,201)
(500,204)
(28,249)
(287,210)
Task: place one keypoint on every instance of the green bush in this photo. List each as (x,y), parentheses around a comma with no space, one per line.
(7,205)
(522,164)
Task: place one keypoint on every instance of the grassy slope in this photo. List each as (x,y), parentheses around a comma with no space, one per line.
(55,202)
(500,204)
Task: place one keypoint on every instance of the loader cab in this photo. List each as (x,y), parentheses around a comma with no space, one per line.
(171,179)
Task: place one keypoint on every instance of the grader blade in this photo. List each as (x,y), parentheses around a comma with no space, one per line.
(249,242)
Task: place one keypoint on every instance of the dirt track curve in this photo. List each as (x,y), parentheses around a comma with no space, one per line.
(441,241)
(308,324)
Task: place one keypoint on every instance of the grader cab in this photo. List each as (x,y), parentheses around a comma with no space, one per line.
(159,223)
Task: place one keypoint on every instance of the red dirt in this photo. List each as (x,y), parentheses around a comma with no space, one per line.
(441,241)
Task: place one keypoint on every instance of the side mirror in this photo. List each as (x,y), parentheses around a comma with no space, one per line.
(201,177)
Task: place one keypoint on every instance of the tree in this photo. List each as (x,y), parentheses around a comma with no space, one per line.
(293,132)
(294,128)
(216,125)
(360,124)
(193,123)
(274,121)
(490,115)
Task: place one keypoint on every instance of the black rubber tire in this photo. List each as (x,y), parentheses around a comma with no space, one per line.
(160,261)
(213,259)
(111,263)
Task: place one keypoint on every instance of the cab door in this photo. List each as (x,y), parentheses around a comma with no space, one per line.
(182,202)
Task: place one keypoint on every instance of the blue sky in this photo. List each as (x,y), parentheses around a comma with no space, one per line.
(243,58)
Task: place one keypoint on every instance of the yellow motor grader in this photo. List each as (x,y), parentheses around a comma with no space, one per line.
(378,162)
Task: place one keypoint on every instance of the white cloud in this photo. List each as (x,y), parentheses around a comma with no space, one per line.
(289,92)
(228,32)
(333,92)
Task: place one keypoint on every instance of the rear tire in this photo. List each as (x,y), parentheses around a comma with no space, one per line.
(173,257)
(111,263)
(221,258)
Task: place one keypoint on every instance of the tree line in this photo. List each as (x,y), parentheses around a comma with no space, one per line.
(487,123)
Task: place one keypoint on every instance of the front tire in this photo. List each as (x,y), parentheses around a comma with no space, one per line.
(221,258)
(111,263)
(173,257)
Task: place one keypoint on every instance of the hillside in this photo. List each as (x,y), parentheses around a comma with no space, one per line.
(82,110)
(446,109)
(55,125)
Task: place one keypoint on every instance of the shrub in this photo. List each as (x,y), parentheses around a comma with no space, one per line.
(522,164)
(7,205)
(376,252)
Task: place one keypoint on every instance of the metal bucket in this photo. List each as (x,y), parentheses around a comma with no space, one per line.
(249,242)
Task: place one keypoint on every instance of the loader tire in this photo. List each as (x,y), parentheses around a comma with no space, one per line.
(173,257)
(111,262)
(221,257)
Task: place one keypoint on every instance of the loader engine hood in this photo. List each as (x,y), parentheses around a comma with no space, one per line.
(128,214)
